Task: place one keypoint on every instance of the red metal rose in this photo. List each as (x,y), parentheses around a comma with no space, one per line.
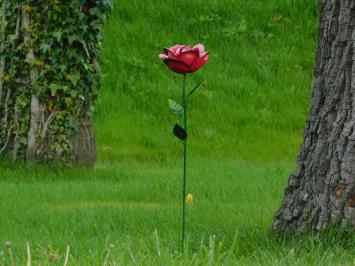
(185,59)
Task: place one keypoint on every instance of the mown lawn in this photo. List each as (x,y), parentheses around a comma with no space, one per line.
(246,127)
(115,205)
(135,208)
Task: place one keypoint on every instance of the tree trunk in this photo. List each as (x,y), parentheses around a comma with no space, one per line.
(321,191)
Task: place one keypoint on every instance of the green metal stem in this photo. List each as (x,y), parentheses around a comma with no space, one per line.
(184,101)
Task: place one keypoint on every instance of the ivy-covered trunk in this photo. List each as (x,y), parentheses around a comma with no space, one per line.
(49,77)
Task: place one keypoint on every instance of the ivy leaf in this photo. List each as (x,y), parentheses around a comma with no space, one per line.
(95,11)
(30,61)
(109,4)
(12,38)
(179,132)
(68,101)
(45,47)
(73,126)
(54,88)
(2,54)
(72,38)
(82,97)
(74,94)
(58,35)
(74,78)
(175,107)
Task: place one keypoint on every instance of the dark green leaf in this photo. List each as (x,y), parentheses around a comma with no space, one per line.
(179,132)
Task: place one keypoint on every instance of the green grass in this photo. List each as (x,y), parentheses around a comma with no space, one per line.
(246,127)
(97,208)
(124,205)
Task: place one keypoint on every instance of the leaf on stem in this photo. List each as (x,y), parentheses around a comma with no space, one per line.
(179,132)
(176,108)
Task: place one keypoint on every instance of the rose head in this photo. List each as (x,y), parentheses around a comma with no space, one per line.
(184,59)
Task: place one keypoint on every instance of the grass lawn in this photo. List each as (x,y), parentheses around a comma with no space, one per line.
(126,204)
(246,127)
(135,207)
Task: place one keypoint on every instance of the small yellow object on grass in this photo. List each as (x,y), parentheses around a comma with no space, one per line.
(189,198)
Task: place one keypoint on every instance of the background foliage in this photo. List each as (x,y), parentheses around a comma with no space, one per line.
(258,78)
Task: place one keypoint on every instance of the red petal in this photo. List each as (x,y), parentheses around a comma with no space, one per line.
(199,62)
(200,48)
(174,50)
(185,48)
(177,66)
(163,57)
(188,57)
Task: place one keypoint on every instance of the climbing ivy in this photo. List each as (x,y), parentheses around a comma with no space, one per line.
(49,75)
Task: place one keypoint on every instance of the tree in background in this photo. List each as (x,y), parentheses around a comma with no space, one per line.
(49,78)
(321,191)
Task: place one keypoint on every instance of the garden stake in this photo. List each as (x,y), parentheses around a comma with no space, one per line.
(184,59)
(184,100)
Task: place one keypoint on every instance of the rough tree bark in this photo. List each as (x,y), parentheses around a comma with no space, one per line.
(321,192)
